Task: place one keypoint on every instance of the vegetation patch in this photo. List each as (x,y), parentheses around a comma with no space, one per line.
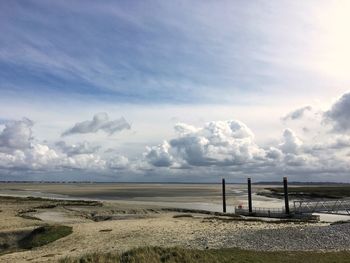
(197,211)
(230,255)
(44,235)
(332,192)
(341,222)
(22,240)
(29,217)
(105,230)
(182,215)
(52,202)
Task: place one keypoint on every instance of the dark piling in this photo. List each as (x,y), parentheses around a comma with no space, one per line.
(223,196)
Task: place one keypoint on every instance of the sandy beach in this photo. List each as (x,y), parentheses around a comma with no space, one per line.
(119,225)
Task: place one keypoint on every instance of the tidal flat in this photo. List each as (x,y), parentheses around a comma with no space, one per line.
(116,218)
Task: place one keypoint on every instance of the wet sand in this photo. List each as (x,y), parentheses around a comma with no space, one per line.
(179,193)
(189,196)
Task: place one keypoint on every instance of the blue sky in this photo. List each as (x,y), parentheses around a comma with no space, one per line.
(157,63)
(159,51)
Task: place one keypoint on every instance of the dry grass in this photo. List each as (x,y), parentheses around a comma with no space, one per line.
(179,255)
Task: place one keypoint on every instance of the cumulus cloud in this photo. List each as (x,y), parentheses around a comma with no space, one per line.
(78,148)
(35,157)
(159,155)
(213,149)
(100,122)
(230,147)
(274,153)
(339,114)
(16,134)
(336,142)
(19,151)
(118,162)
(217,143)
(297,114)
(291,143)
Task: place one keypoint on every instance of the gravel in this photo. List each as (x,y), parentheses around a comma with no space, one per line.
(331,237)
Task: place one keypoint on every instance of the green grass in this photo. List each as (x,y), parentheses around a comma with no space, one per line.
(232,255)
(44,235)
(334,192)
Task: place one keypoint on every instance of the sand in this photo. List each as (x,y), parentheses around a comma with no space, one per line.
(128,226)
(138,218)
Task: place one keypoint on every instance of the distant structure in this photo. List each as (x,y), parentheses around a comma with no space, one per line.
(301,209)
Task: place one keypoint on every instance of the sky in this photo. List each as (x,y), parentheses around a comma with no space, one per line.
(175,91)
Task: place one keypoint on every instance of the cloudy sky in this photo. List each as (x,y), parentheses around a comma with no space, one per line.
(175,90)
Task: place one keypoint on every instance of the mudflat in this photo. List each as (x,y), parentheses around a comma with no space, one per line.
(111,191)
(113,226)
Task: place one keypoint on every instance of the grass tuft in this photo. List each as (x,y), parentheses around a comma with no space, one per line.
(229,255)
(182,215)
(44,235)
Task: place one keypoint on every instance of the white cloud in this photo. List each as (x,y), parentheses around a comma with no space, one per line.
(274,153)
(297,114)
(339,114)
(228,147)
(16,134)
(183,128)
(35,157)
(118,162)
(291,143)
(78,148)
(215,148)
(19,151)
(100,122)
(86,162)
(217,143)
(159,155)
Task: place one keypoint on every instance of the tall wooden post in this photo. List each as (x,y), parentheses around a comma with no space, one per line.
(286,201)
(223,196)
(250,203)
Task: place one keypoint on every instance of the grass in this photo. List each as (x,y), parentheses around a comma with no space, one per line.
(182,215)
(44,235)
(230,255)
(333,192)
(52,202)
(36,238)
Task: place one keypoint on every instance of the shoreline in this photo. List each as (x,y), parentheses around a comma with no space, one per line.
(209,203)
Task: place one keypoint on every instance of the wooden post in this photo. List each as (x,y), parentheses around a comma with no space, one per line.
(286,201)
(223,196)
(250,203)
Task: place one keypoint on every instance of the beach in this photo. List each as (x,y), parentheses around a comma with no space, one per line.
(139,215)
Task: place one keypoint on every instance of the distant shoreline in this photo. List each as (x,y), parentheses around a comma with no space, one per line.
(328,191)
(203,183)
